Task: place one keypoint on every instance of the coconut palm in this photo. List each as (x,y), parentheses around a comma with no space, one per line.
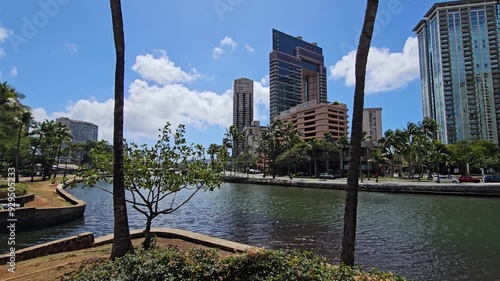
(342,143)
(428,127)
(314,147)
(24,122)
(63,137)
(328,149)
(122,243)
(378,159)
(351,201)
(290,138)
(213,148)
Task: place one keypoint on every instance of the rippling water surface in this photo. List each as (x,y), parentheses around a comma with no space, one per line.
(423,237)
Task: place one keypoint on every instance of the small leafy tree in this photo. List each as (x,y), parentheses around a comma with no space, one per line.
(155,174)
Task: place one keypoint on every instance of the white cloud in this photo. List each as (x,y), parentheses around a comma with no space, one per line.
(4,33)
(265,80)
(2,53)
(13,71)
(155,98)
(386,71)
(162,70)
(249,48)
(73,48)
(261,101)
(39,114)
(226,44)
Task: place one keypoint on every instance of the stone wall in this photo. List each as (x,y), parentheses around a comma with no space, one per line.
(86,240)
(20,199)
(472,189)
(31,218)
(73,243)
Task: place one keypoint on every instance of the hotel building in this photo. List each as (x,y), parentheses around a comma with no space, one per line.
(313,119)
(372,123)
(81,131)
(458,46)
(297,73)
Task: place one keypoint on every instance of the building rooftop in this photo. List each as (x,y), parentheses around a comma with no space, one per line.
(449,4)
(295,40)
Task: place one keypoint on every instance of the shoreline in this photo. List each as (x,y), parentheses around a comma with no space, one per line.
(393,186)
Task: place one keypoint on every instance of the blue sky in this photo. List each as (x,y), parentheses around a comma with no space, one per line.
(182,57)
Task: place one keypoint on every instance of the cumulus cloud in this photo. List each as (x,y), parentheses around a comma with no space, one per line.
(13,71)
(226,44)
(162,70)
(386,70)
(73,48)
(157,97)
(261,101)
(249,48)
(4,33)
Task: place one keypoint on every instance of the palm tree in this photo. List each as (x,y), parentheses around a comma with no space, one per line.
(342,143)
(273,137)
(290,138)
(121,242)
(36,132)
(213,148)
(429,127)
(63,137)
(387,146)
(328,149)
(351,201)
(237,138)
(48,147)
(378,158)
(366,139)
(263,151)
(25,121)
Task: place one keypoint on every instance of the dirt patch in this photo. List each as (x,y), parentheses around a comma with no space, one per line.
(45,194)
(60,266)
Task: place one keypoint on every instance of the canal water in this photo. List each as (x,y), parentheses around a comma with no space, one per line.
(422,237)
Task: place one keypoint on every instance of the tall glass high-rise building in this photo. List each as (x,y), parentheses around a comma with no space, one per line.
(460,75)
(297,73)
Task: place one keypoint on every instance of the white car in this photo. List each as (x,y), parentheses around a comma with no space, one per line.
(445,179)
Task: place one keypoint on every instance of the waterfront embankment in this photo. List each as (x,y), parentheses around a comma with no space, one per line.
(392,185)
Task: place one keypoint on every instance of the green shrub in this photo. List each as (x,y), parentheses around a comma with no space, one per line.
(20,190)
(205,265)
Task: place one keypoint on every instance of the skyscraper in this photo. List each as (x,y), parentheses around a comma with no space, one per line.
(242,108)
(460,76)
(80,130)
(372,123)
(242,103)
(297,73)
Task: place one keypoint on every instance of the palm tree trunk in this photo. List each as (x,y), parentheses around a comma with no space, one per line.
(341,162)
(351,201)
(17,152)
(121,242)
(66,165)
(57,161)
(328,164)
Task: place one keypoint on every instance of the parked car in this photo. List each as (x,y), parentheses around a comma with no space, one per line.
(468,179)
(326,176)
(492,178)
(253,171)
(445,179)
